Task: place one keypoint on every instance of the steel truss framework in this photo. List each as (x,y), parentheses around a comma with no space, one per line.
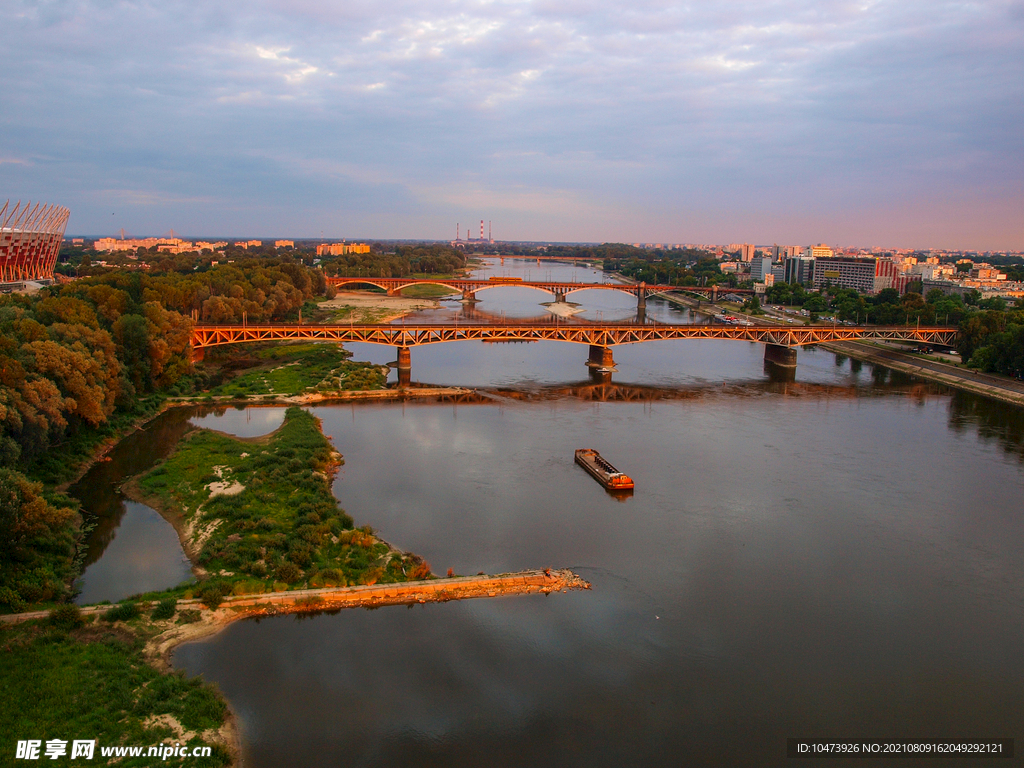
(30,240)
(602,335)
(395,284)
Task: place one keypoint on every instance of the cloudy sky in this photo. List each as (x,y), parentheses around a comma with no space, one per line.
(878,122)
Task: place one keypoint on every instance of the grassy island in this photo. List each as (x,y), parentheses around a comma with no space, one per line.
(293,369)
(70,677)
(258,515)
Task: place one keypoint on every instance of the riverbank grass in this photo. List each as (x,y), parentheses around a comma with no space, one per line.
(296,369)
(259,515)
(88,682)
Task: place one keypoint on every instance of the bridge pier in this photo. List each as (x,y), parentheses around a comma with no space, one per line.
(469,297)
(600,357)
(559,297)
(782,356)
(404,366)
(641,297)
(198,353)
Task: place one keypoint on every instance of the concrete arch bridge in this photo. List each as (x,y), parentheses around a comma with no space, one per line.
(560,290)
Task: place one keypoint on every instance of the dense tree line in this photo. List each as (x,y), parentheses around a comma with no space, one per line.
(686,267)
(992,340)
(73,355)
(991,332)
(886,307)
(37,542)
(406,260)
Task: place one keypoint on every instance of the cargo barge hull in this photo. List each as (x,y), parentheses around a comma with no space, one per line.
(602,471)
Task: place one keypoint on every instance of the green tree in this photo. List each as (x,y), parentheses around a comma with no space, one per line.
(131,333)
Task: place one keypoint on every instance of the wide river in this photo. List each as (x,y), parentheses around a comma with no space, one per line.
(835,557)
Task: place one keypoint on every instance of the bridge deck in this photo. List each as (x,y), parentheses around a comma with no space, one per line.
(596,334)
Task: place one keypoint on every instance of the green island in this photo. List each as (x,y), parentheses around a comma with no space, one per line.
(257,515)
(292,369)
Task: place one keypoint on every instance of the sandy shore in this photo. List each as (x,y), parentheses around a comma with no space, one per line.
(362,303)
(563,308)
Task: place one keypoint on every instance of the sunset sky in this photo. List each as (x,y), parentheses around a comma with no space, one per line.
(856,123)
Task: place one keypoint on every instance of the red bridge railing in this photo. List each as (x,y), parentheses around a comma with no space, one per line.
(596,334)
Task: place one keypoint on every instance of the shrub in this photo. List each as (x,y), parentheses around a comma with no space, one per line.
(301,556)
(420,571)
(212,595)
(188,616)
(288,572)
(122,612)
(165,609)
(333,577)
(249,588)
(66,617)
(11,599)
(371,576)
(258,568)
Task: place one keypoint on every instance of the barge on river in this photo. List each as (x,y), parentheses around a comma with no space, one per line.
(603,472)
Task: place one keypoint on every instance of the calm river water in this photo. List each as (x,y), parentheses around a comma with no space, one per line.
(837,557)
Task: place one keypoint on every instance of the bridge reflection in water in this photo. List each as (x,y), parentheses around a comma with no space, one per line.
(602,388)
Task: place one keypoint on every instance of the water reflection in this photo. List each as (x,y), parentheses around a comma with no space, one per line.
(779,374)
(142,555)
(784,566)
(240,420)
(994,422)
(148,554)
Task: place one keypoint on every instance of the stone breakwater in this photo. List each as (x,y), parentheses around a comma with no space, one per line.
(366,596)
(433,590)
(329,598)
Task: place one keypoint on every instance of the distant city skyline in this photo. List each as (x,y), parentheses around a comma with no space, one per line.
(881,124)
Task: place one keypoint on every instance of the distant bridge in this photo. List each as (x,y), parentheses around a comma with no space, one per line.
(780,340)
(559,289)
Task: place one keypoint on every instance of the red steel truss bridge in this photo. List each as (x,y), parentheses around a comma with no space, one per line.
(594,334)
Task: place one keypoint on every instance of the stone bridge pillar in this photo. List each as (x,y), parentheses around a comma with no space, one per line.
(600,357)
(714,293)
(404,366)
(641,297)
(560,297)
(469,297)
(404,357)
(782,356)
(198,353)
